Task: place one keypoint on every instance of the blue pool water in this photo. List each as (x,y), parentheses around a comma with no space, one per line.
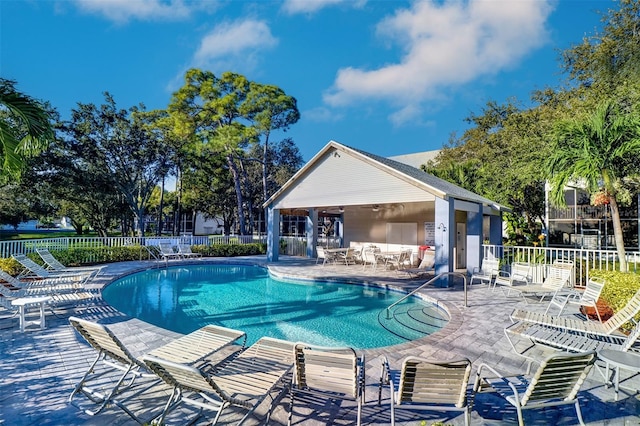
(185,298)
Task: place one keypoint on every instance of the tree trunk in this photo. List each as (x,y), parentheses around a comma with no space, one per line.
(239,198)
(617,233)
(265,168)
(160,216)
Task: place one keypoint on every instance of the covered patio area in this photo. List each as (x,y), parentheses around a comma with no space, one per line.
(362,199)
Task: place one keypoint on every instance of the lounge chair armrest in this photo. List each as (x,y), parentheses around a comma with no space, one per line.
(493,374)
(385,378)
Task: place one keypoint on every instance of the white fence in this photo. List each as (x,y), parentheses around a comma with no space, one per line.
(584,259)
(7,248)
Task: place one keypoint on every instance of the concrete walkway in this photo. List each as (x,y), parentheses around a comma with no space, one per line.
(39,368)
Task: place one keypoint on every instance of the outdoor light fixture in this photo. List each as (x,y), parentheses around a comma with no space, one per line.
(375,208)
(341,209)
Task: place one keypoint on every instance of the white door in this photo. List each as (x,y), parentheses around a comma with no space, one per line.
(461,246)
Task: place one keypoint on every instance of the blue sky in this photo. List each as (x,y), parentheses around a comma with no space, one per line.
(388,77)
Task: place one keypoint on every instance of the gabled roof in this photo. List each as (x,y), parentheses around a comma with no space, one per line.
(416,159)
(428,182)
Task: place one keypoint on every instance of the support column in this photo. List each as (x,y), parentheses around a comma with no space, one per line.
(445,235)
(495,230)
(474,239)
(273,234)
(311,229)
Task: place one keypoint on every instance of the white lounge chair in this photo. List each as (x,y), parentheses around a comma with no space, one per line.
(369,256)
(346,256)
(587,299)
(244,382)
(556,382)
(47,285)
(557,279)
(166,251)
(115,356)
(487,272)
(56,296)
(402,261)
(519,277)
(624,315)
(427,384)
(567,340)
(328,373)
(426,266)
(33,270)
(324,256)
(53,264)
(184,250)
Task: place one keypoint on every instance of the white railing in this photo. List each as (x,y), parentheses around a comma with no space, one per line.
(584,259)
(7,248)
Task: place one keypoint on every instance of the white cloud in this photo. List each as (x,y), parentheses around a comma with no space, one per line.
(444,45)
(322,115)
(236,38)
(124,10)
(293,7)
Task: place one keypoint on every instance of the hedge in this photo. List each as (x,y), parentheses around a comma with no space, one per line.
(619,288)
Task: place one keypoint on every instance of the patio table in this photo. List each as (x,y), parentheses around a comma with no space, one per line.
(617,360)
(24,302)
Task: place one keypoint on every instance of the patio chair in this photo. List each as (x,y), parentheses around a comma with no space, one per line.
(348,256)
(244,382)
(587,299)
(487,272)
(323,256)
(369,256)
(427,384)
(54,265)
(115,356)
(556,382)
(184,250)
(426,266)
(166,251)
(58,294)
(33,270)
(610,326)
(520,273)
(569,341)
(401,261)
(557,279)
(36,286)
(329,373)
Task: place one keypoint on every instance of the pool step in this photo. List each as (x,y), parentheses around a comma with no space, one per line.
(411,322)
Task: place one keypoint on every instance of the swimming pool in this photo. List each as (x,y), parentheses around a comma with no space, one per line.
(185,298)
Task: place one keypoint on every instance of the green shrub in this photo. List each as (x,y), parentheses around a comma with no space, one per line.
(78,256)
(11,266)
(231,250)
(619,288)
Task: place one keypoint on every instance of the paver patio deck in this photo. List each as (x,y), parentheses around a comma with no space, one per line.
(39,368)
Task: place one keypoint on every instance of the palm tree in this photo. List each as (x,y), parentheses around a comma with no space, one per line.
(25,129)
(598,150)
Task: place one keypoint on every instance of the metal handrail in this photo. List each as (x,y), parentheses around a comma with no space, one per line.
(464,277)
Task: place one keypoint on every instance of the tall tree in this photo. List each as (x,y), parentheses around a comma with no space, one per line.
(600,149)
(227,115)
(269,108)
(25,129)
(117,142)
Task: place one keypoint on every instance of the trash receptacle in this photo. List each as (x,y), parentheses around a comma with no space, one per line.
(422,250)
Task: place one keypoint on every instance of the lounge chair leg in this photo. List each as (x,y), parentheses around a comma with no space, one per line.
(291,395)
(579,413)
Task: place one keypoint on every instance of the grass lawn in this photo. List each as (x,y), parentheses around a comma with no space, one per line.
(39,234)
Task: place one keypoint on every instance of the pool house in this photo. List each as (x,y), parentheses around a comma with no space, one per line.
(361,198)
